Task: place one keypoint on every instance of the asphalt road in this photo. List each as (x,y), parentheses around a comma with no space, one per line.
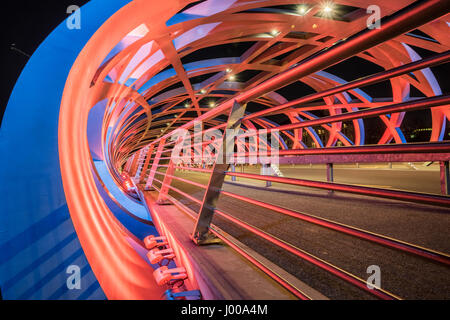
(405,275)
(401,178)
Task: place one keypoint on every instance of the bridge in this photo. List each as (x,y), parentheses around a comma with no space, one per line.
(231,149)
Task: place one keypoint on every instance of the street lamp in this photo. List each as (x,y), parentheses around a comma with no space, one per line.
(302,9)
(328,8)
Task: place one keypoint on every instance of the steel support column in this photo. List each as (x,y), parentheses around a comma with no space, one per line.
(201,234)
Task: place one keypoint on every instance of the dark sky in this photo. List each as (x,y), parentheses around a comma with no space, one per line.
(25,23)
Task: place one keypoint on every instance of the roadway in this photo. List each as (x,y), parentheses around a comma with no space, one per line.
(405,275)
(401,177)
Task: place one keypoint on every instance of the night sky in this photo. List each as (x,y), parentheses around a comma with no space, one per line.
(26,24)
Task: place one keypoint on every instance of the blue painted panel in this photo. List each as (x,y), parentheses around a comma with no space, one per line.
(140,229)
(37,238)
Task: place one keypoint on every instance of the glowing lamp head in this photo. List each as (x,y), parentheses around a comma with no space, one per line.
(302,10)
(328,8)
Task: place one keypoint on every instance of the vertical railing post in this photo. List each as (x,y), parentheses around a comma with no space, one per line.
(165,187)
(147,161)
(129,163)
(233,169)
(330,174)
(201,234)
(445,177)
(266,170)
(149,184)
(140,164)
